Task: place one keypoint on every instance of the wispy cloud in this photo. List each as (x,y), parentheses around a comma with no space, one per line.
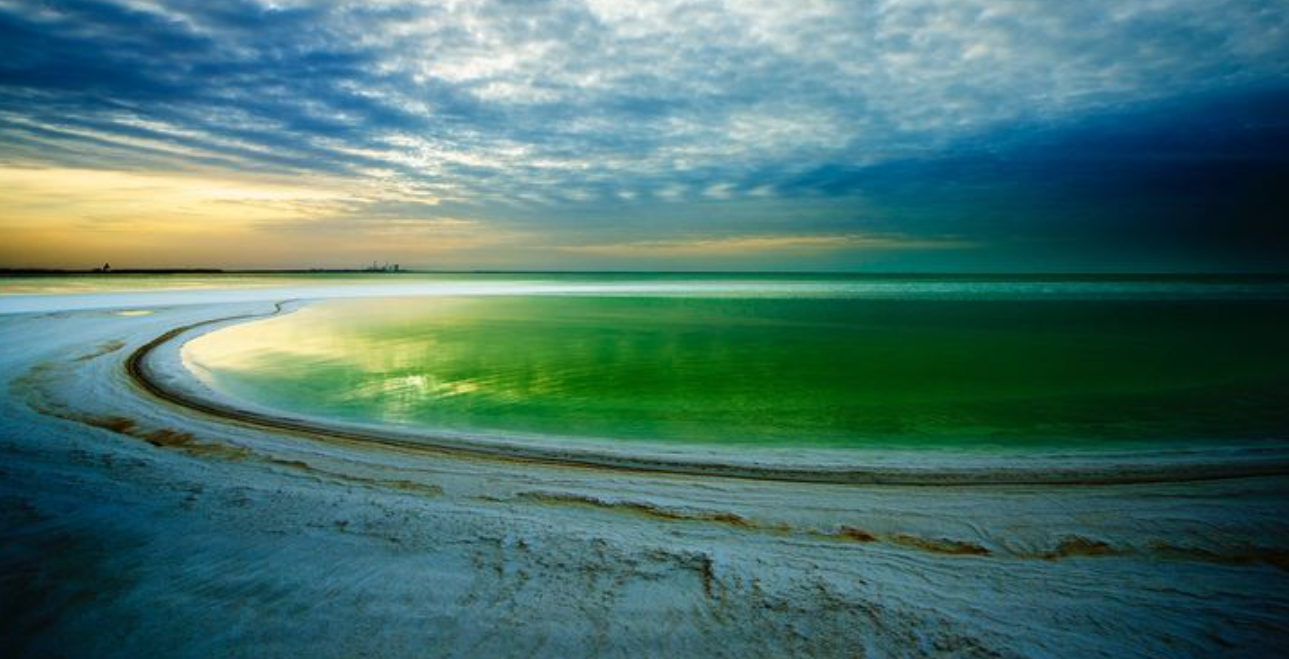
(481,99)
(762,245)
(532,116)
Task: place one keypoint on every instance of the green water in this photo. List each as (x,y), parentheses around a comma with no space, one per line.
(840,368)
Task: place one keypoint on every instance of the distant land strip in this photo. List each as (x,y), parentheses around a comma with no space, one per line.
(958,276)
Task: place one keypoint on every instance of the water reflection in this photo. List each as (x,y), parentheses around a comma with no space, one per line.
(799,371)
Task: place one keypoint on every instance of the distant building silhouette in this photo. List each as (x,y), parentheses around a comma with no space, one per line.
(374,267)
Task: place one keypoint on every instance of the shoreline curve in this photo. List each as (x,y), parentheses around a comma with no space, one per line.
(1126,470)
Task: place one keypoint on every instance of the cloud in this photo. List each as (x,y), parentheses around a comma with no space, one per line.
(87,216)
(762,245)
(546,117)
(147,201)
(486,99)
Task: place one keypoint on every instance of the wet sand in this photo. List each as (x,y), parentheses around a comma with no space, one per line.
(136,525)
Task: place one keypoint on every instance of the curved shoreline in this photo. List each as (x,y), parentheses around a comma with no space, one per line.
(1123,470)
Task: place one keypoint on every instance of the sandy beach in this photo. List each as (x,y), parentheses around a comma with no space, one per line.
(137,526)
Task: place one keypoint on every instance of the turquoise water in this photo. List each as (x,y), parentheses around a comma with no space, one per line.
(789,361)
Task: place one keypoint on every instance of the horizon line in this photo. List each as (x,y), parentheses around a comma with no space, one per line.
(5,271)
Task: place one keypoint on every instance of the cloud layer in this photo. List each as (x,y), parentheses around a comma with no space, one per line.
(577,119)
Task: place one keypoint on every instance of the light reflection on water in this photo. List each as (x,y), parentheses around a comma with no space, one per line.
(834,370)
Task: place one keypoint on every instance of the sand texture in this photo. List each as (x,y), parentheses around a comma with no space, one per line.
(134,526)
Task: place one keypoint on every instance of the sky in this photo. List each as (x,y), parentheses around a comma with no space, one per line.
(847,135)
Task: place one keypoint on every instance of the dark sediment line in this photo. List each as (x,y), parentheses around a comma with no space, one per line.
(1128,472)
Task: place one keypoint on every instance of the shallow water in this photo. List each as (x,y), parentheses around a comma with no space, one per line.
(801,362)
